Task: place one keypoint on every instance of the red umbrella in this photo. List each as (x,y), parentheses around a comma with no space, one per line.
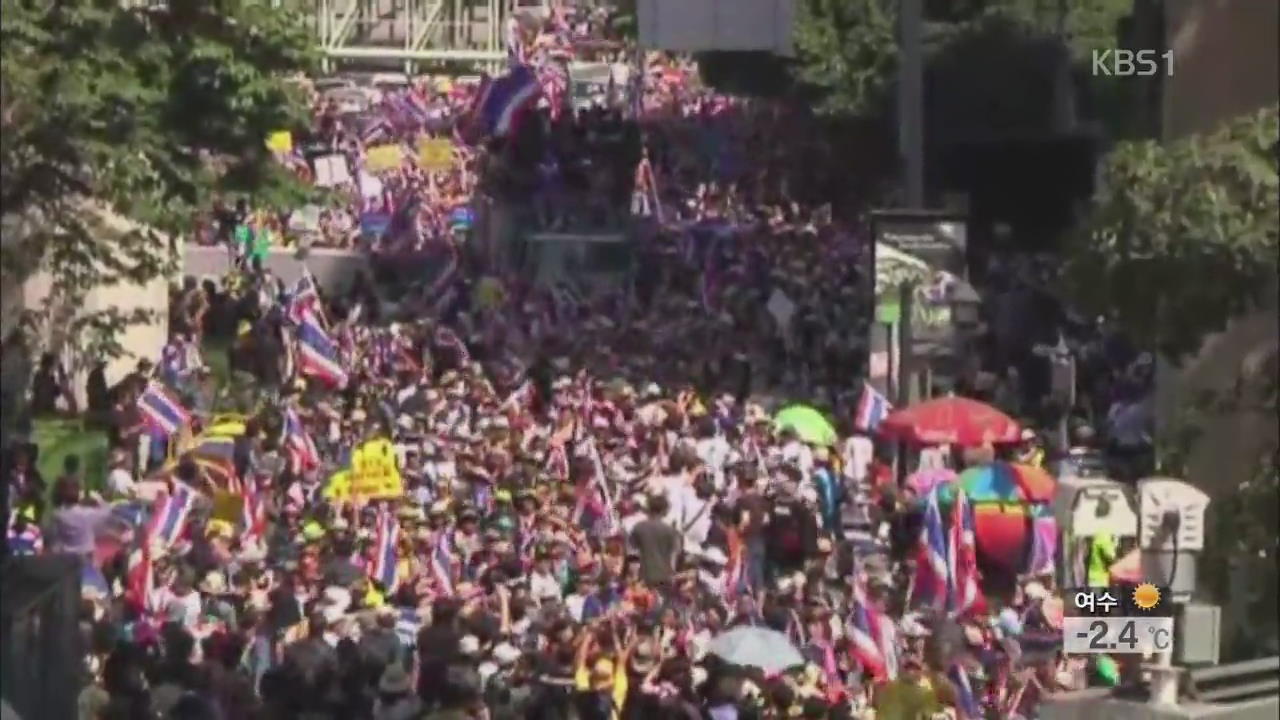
(951,421)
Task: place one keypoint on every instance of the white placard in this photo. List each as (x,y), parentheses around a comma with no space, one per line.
(370,186)
(331,171)
(782,309)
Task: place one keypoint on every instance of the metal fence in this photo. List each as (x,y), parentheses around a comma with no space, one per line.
(40,669)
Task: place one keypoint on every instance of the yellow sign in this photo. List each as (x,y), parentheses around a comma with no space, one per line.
(280,141)
(436,154)
(228,506)
(338,488)
(383,157)
(374,474)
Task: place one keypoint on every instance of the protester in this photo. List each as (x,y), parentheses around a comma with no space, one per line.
(585,489)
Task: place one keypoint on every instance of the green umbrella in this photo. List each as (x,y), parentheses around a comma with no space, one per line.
(808,424)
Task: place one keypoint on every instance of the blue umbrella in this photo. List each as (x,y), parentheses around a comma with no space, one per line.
(760,647)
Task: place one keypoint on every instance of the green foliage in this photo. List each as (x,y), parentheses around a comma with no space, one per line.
(1183,237)
(1243,542)
(847,51)
(752,74)
(108,112)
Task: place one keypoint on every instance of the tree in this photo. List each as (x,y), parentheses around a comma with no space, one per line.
(141,113)
(847,51)
(1182,237)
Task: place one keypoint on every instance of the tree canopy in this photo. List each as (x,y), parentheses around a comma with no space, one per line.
(140,112)
(1183,237)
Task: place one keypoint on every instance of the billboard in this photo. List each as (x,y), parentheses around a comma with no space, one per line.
(925,251)
(699,25)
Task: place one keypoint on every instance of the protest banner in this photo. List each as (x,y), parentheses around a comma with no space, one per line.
(331,171)
(383,157)
(228,506)
(280,141)
(338,487)
(435,154)
(374,474)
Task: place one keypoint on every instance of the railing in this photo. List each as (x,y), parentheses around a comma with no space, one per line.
(40,673)
(1236,682)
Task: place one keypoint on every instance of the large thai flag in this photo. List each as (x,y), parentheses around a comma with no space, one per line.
(303,455)
(933,573)
(385,549)
(506,99)
(161,410)
(873,408)
(317,353)
(866,632)
(170,516)
(963,594)
(442,563)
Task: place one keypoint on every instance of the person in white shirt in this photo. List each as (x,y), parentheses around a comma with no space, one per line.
(543,584)
(120,482)
(696,505)
(857,453)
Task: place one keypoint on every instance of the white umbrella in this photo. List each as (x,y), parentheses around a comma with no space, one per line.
(767,649)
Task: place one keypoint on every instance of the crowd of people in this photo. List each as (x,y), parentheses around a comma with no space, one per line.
(590,493)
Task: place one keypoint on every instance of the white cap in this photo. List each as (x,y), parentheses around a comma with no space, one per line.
(469,645)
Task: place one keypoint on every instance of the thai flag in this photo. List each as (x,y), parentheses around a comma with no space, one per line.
(873,408)
(932,566)
(865,632)
(965,698)
(140,578)
(254,518)
(408,623)
(442,563)
(305,298)
(962,560)
(303,454)
(506,100)
(161,410)
(318,354)
(375,131)
(170,515)
(385,549)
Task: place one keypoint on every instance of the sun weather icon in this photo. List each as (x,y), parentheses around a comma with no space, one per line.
(1146,596)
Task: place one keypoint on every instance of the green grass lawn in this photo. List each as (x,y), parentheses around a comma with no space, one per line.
(59,437)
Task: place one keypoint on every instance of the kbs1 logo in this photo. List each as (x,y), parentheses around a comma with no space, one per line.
(1131,63)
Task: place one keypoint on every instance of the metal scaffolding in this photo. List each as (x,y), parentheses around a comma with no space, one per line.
(412,32)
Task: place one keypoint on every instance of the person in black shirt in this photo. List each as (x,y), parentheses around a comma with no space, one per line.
(439,647)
